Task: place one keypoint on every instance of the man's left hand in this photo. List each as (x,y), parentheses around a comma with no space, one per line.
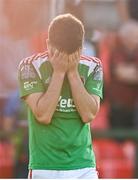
(73,62)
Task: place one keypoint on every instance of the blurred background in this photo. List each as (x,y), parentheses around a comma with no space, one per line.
(111,35)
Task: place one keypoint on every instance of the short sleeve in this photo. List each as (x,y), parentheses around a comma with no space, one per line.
(94,82)
(29,80)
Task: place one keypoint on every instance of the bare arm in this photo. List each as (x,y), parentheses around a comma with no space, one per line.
(43,105)
(86,104)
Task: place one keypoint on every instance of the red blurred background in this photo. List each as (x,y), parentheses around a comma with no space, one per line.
(111,35)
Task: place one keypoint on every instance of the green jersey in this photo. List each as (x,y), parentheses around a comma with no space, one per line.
(65,143)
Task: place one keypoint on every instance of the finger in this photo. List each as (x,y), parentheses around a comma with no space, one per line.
(75,56)
(65,59)
(50,51)
(61,56)
(66,56)
(71,58)
(56,54)
(80,50)
(78,55)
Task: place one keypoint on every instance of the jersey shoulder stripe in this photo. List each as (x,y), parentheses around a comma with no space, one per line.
(41,55)
(35,60)
(91,62)
(26,61)
(91,58)
(36,57)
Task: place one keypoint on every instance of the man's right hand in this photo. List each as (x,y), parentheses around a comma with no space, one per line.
(43,104)
(59,62)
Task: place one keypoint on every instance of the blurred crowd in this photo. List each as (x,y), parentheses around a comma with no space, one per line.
(111,35)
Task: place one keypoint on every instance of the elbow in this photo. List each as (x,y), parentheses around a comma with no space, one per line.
(43,119)
(89,117)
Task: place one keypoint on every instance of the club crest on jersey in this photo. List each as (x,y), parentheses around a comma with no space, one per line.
(27,72)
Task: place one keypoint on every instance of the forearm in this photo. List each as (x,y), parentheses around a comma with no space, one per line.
(47,103)
(85,103)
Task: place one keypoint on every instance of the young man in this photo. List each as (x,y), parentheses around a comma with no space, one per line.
(62,90)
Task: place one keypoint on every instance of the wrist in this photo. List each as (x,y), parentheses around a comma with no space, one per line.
(71,74)
(59,74)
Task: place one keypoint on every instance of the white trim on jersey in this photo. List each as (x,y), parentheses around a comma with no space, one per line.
(90,64)
(37,63)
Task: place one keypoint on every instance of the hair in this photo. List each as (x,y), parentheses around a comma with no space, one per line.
(66,33)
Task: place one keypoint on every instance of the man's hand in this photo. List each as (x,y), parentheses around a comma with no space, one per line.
(59,62)
(86,104)
(43,104)
(73,62)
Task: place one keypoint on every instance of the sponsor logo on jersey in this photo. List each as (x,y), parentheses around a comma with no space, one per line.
(29,85)
(65,105)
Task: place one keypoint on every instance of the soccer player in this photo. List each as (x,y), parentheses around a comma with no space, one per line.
(62,90)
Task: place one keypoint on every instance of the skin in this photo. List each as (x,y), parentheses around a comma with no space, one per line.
(44,104)
(86,104)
